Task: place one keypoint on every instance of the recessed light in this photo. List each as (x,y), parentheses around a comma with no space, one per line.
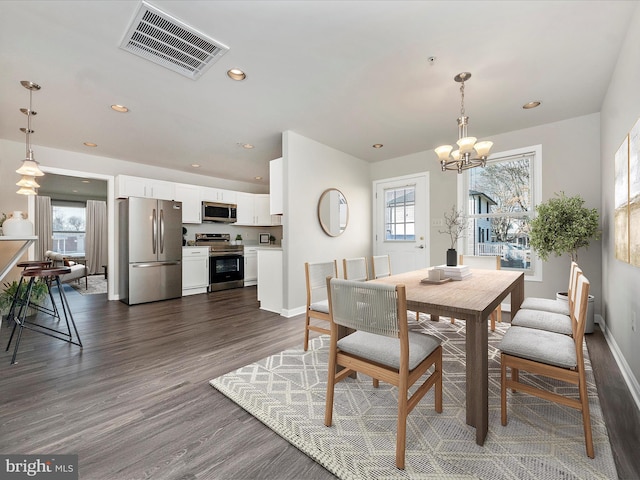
(236,74)
(258,177)
(377,145)
(86,181)
(247,146)
(119,108)
(529,105)
(74,191)
(90,144)
(195,165)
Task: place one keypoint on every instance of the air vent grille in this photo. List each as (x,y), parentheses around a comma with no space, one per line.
(165,40)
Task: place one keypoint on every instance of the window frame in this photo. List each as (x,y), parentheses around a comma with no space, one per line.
(70,204)
(536,192)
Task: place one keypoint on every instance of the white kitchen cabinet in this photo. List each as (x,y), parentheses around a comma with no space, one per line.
(253,209)
(209,194)
(195,270)
(127,186)
(189,195)
(270,287)
(250,266)
(276,187)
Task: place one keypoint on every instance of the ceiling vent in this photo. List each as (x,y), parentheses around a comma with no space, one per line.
(165,40)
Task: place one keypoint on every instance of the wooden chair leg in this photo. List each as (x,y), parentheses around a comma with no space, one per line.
(376,383)
(306,332)
(492,317)
(331,381)
(438,385)
(503,391)
(401,429)
(586,418)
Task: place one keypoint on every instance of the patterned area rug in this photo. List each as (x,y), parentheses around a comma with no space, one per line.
(97,284)
(542,440)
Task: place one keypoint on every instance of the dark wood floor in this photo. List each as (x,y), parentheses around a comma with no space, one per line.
(135,401)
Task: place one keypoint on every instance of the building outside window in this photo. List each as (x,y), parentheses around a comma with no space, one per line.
(400,221)
(500,202)
(69,225)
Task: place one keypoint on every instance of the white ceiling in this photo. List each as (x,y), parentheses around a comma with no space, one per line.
(345,73)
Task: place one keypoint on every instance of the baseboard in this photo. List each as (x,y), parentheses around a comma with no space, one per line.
(288,313)
(630,379)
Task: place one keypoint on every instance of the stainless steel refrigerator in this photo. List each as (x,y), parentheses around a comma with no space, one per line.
(150,250)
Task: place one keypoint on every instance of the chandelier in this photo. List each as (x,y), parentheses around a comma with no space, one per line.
(469,154)
(30,168)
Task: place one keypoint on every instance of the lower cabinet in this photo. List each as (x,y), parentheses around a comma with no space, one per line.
(270,288)
(250,266)
(195,270)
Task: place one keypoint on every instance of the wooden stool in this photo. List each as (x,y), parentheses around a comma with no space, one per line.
(52,276)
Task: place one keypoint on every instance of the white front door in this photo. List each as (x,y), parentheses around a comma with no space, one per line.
(401,223)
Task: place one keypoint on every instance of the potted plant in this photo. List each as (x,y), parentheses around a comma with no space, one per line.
(563,225)
(2,219)
(272,239)
(38,294)
(455,224)
(238,239)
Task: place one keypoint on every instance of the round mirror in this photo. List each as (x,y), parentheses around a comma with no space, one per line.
(333,212)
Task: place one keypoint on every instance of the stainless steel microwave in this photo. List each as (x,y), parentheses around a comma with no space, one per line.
(219,212)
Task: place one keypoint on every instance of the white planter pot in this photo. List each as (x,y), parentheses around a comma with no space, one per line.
(590,323)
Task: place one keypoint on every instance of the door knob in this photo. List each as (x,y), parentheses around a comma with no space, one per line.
(420,246)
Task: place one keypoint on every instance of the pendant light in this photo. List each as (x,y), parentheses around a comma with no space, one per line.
(29,168)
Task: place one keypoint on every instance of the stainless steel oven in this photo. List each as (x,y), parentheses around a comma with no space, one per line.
(226,261)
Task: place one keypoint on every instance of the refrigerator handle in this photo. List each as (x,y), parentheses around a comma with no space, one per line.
(162,230)
(154,231)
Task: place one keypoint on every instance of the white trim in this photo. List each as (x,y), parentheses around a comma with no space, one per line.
(627,373)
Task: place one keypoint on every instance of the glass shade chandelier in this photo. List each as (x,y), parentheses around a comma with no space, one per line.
(29,169)
(469,154)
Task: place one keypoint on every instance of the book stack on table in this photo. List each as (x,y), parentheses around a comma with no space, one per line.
(459,272)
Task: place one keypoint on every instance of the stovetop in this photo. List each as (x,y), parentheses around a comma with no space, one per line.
(217,242)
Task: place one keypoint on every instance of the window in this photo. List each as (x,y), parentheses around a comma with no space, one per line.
(399,213)
(69,223)
(501,200)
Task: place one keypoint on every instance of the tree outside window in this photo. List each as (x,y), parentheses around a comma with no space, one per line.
(500,205)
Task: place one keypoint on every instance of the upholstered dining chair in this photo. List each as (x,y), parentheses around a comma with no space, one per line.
(380,346)
(549,304)
(551,355)
(380,266)
(550,321)
(484,262)
(317,302)
(355,269)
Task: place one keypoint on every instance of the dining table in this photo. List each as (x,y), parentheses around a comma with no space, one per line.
(472,299)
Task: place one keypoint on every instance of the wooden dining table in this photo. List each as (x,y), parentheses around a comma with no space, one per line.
(471,299)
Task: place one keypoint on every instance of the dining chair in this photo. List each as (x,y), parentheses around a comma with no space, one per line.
(317,302)
(355,269)
(550,321)
(380,346)
(484,262)
(380,266)
(549,304)
(550,355)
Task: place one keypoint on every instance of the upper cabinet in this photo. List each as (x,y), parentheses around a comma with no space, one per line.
(127,186)
(276,186)
(218,195)
(189,195)
(253,209)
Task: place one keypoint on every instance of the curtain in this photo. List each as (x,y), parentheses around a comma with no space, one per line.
(96,236)
(43,226)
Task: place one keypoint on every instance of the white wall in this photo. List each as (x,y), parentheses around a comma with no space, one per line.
(620,110)
(309,169)
(570,163)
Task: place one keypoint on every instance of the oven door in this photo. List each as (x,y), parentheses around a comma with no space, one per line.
(226,271)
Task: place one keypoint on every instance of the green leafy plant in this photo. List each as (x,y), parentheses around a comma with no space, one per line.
(563,225)
(455,224)
(239,237)
(38,294)
(3,218)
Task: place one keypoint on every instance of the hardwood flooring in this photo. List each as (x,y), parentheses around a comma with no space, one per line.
(135,402)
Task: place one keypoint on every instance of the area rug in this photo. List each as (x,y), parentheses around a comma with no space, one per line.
(541,441)
(96,284)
